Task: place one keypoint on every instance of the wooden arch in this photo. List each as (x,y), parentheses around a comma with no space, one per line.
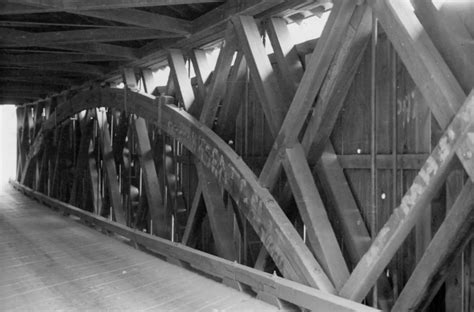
(277,234)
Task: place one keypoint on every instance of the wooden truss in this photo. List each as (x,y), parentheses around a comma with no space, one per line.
(196,123)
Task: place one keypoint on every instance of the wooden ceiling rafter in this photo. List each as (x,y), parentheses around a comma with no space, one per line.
(53,58)
(137,17)
(143,19)
(40,6)
(79,36)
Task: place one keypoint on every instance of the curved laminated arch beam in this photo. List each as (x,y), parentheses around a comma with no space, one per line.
(278,235)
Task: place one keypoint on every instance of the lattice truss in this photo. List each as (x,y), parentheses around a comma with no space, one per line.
(172,163)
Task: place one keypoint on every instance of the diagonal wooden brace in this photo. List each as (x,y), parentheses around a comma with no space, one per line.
(310,205)
(311,82)
(430,273)
(456,139)
(158,213)
(110,169)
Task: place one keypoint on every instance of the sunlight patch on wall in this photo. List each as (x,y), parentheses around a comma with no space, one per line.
(7,143)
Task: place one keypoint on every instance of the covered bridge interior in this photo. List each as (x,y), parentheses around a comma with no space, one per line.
(219,160)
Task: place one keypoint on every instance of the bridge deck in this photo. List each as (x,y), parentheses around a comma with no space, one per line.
(49,262)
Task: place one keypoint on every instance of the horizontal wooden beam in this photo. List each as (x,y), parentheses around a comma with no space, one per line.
(33,76)
(86,47)
(142,18)
(22,88)
(79,36)
(100,48)
(74,68)
(298,294)
(208,28)
(406,161)
(53,58)
(43,6)
(219,16)
(17,8)
(42,24)
(16,98)
(23,93)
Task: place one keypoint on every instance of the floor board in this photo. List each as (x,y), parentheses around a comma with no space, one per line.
(53,263)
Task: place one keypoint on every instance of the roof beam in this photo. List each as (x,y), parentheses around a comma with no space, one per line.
(101,49)
(79,36)
(18,8)
(84,69)
(88,47)
(78,5)
(40,24)
(141,18)
(19,88)
(22,95)
(14,100)
(52,58)
(34,78)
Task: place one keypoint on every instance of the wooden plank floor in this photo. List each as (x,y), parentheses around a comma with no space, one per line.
(53,263)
